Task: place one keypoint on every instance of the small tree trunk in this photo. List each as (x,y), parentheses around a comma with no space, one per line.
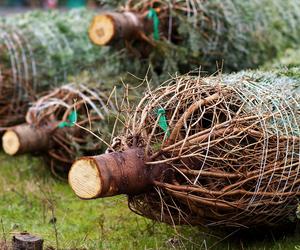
(112,26)
(111,174)
(26,241)
(26,138)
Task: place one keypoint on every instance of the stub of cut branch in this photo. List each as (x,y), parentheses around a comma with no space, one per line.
(112,26)
(111,174)
(25,138)
(26,241)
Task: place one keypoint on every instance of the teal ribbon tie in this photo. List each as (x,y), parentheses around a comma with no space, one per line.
(152,14)
(162,122)
(72,119)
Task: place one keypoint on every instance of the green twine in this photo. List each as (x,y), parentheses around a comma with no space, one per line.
(152,14)
(162,122)
(72,119)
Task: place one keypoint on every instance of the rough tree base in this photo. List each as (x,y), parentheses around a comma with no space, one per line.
(25,241)
(25,138)
(112,26)
(112,174)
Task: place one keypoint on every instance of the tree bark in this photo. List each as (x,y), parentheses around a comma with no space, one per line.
(25,241)
(26,138)
(112,26)
(112,174)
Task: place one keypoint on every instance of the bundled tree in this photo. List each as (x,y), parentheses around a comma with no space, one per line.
(64,124)
(39,50)
(219,151)
(179,35)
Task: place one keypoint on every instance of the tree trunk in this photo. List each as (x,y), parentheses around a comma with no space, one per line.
(26,138)
(112,26)
(25,241)
(112,174)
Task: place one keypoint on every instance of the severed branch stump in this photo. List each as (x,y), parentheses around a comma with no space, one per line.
(25,241)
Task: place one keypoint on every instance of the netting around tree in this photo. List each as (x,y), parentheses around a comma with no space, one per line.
(228,147)
(92,111)
(234,34)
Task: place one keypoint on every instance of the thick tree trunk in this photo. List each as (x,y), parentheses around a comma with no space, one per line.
(27,242)
(112,26)
(26,138)
(112,174)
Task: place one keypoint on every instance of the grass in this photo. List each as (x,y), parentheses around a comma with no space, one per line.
(33,201)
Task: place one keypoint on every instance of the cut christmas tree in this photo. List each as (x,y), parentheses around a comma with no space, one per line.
(64,124)
(39,50)
(220,151)
(183,35)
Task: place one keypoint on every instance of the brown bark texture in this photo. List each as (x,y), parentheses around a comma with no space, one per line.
(110,27)
(25,241)
(31,138)
(119,173)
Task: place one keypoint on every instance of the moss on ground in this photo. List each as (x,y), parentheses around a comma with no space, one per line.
(32,200)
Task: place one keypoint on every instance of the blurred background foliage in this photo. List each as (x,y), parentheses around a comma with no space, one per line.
(49,3)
